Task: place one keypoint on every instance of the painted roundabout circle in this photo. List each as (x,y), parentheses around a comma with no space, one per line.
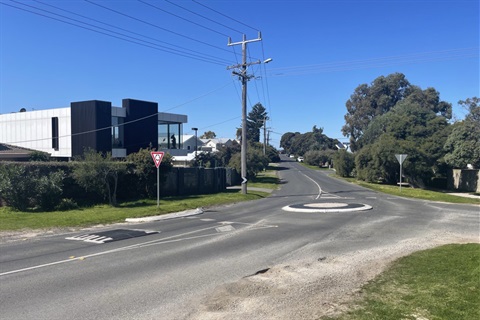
(324,207)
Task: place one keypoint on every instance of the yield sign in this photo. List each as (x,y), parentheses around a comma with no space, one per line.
(401,157)
(157,157)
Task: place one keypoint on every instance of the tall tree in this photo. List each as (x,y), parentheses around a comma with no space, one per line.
(255,120)
(370,101)
(301,143)
(411,127)
(463,144)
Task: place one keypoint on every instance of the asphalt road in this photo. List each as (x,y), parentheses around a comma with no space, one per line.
(165,275)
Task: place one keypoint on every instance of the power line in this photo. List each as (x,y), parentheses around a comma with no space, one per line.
(219,123)
(132,32)
(444,55)
(155,26)
(135,40)
(222,14)
(182,18)
(128,122)
(197,14)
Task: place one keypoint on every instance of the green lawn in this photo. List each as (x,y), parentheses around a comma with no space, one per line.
(266,179)
(414,192)
(104,214)
(441,284)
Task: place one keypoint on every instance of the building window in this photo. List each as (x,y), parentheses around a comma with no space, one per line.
(117,133)
(169,135)
(55,133)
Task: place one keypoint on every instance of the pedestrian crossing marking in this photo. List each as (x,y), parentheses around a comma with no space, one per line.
(111,235)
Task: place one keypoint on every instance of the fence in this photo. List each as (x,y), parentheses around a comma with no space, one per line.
(186,181)
(464,180)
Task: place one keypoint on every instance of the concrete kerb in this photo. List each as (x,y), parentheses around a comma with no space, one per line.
(180,214)
(327,207)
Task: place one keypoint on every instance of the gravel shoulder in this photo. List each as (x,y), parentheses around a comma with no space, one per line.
(309,288)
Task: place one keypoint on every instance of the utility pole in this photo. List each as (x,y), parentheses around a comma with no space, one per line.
(244,77)
(264,135)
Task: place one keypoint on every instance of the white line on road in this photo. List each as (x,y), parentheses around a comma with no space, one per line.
(175,238)
(319,188)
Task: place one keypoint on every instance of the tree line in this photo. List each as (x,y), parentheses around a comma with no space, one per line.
(392,116)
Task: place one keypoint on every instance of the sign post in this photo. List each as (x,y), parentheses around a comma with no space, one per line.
(401,158)
(157,157)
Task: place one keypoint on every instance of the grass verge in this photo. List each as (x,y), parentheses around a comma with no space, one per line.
(11,220)
(440,283)
(266,179)
(414,193)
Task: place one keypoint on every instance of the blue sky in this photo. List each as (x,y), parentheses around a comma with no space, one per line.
(321,51)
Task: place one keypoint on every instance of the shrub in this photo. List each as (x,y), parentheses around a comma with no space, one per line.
(66,204)
(25,189)
(344,163)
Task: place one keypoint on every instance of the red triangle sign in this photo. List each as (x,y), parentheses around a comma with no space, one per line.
(157,157)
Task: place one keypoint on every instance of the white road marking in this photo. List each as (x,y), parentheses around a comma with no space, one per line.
(175,238)
(225,228)
(319,188)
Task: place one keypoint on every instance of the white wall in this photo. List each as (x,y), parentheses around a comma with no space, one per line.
(33,130)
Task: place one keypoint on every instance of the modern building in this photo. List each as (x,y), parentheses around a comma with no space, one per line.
(67,132)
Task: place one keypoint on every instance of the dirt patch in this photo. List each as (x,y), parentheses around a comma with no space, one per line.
(310,288)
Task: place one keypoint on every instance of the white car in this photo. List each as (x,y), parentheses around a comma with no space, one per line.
(300,159)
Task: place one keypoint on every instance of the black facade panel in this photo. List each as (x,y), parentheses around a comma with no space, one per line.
(144,132)
(91,122)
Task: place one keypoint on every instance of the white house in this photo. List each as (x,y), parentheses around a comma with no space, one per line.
(215,144)
(191,142)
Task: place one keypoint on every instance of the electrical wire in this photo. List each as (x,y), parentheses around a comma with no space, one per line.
(132,32)
(135,41)
(182,18)
(156,26)
(224,15)
(434,56)
(197,14)
(128,122)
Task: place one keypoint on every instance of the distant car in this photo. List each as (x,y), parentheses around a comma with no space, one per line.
(300,159)
(291,156)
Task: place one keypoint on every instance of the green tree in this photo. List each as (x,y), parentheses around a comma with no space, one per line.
(208,160)
(25,189)
(256,161)
(39,156)
(272,154)
(370,101)
(344,163)
(208,135)
(287,140)
(377,162)
(413,127)
(300,144)
(255,120)
(319,157)
(463,144)
(224,154)
(98,172)
(145,171)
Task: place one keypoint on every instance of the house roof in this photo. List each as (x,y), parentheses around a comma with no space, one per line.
(9,152)
(217,140)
